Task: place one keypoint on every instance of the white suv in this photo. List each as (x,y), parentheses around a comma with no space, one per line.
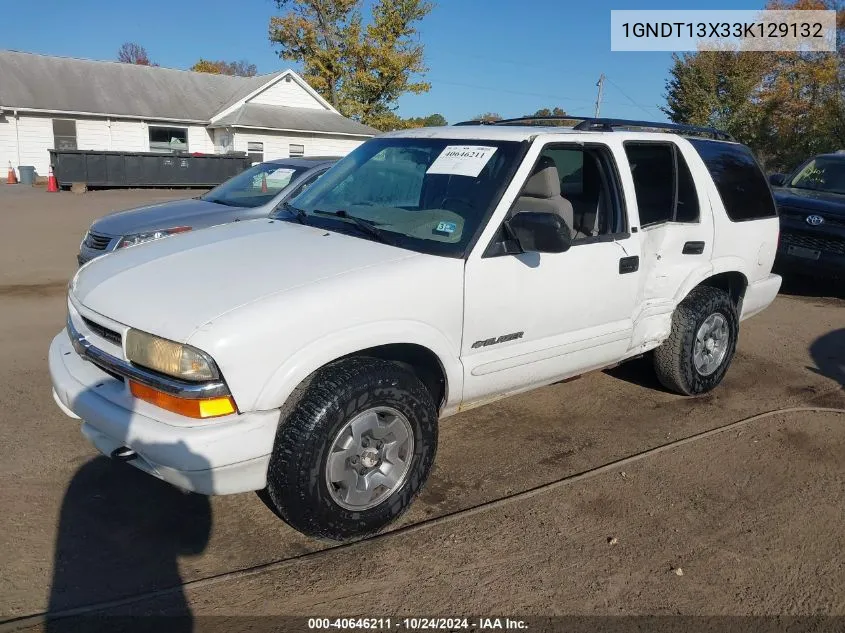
(312,356)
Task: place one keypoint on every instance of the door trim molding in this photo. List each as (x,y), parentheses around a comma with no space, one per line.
(552,352)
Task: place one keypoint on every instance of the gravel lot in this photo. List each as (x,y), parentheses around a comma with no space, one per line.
(753,516)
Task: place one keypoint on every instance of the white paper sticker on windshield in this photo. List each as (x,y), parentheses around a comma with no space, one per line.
(461,160)
(283,173)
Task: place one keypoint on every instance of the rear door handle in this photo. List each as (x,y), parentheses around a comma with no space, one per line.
(693,248)
(629,264)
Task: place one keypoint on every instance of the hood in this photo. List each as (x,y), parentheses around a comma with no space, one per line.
(811,200)
(191,212)
(172,286)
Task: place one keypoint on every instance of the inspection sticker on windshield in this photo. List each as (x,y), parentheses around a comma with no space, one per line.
(446,227)
(461,160)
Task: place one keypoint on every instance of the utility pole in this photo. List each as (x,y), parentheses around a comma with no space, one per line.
(600,84)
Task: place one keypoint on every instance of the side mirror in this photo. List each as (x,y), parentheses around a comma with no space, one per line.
(539,232)
(777,180)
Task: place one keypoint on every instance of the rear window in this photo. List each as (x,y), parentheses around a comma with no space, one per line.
(740,181)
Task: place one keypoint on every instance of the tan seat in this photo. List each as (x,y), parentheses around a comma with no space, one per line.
(542,193)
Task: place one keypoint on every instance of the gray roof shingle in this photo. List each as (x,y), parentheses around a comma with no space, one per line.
(40,82)
(290,118)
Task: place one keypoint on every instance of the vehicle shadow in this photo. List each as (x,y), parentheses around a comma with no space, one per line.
(121,532)
(806,286)
(828,353)
(638,371)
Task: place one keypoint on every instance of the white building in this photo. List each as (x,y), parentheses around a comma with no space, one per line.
(62,103)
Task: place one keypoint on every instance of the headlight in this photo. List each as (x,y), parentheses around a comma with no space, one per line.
(169,357)
(140,238)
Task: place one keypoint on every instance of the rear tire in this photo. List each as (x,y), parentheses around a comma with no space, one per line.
(698,352)
(361,424)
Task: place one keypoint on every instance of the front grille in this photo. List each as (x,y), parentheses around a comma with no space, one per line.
(110,335)
(96,241)
(821,243)
(800,215)
(110,372)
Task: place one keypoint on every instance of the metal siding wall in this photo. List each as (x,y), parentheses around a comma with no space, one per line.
(277,145)
(129,136)
(199,140)
(36,139)
(287,93)
(92,134)
(8,148)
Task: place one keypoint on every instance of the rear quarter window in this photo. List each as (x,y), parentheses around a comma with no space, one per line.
(740,181)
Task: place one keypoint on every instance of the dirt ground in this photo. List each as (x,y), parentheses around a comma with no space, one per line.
(529,510)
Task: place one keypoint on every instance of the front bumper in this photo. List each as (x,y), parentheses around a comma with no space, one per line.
(823,248)
(223,455)
(829,265)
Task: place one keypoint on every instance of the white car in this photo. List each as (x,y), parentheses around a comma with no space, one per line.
(312,356)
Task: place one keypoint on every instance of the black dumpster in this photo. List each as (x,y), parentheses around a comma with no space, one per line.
(144,169)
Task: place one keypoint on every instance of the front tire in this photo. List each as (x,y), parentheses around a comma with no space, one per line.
(354,450)
(699,350)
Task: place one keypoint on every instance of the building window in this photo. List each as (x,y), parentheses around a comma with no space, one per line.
(223,142)
(64,134)
(296,151)
(168,139)
(255,152)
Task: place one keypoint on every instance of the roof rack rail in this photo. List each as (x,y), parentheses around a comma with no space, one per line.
(590,124)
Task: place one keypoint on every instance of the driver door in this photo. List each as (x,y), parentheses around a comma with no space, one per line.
(533,318)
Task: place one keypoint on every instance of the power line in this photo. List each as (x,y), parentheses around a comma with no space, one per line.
(558,98)
(514,92)
(624,94)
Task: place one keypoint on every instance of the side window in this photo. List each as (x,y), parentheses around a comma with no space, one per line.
(663,183)
(310,181)
(578,183)
(687,203)
(740,181)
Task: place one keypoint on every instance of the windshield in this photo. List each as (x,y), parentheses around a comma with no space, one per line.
(425,194)
(256,186)
(821,174)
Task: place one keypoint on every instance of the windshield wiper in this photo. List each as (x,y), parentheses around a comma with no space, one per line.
(298,213)
(363,225)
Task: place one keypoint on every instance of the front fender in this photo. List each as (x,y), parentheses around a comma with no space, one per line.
(320,352)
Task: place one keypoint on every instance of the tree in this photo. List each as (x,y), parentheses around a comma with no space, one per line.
(394,122)
(132,53)
(487,117)
(362,70)
(556,111)
(434,120)
(785,105)
(241,68)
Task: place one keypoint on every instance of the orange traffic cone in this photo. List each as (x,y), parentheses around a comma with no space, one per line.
(11,179)
(263,183)
(52,183)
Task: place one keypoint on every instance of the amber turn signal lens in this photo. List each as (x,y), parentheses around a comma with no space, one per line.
(204,408)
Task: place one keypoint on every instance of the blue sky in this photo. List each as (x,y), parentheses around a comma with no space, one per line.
(483,55)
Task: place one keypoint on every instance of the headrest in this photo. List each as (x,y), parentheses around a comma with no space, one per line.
(544,182)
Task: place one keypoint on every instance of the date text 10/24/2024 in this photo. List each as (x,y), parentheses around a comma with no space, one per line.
(418,624)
